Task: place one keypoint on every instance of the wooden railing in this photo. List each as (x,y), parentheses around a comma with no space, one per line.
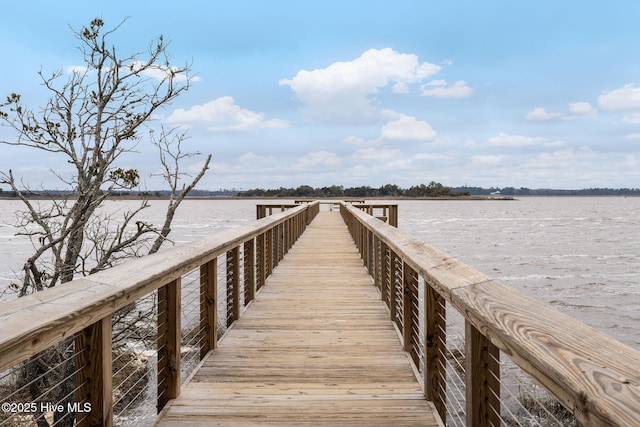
(83,308)
(594,376)
(385,212)
(269,209)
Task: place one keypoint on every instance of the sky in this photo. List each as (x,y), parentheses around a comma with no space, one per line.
(537,94)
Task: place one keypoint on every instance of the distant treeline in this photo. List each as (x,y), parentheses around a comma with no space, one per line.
(433,189)
(141,194)
(523,191)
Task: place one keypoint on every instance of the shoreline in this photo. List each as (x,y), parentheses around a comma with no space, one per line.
(443,198)
(305,199)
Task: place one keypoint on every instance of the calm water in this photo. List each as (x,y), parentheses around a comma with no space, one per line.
(581,255)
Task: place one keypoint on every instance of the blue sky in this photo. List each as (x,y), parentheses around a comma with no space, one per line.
(493,93)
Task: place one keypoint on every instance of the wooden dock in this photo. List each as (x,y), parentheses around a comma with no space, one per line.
(316,347)
(333,333)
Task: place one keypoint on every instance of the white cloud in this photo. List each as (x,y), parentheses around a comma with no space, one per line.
(223,114)
(540,113)
(407,128)
(431,156)
(318,158)
(397,165)
(375,153)
(633,119)
(631,160)
(582,109)
(439,89)
(559,159)
(156,71)
(403,129)
(579,109)
(556,159)
(79,69)
(160,73)
(225,168)
(512,141)
(251,157)
(195,168)
(354,140)
(341,92)
(487,160)
(555,144)
(627,97)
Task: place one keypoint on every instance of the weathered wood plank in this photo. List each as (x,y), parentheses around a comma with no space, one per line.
(209,306)
(315,348)
(168,342)
(482,378)
(435,373)
(563,354)
(95,374)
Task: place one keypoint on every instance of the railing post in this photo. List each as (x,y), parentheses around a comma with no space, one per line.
(393,215)
(409,284)
(261,261)
(290,233)
(370,253)
(384,273)
(435,339)
(281,239)
(393,279)
(276,239)
(278,244)
(209,306)
(377,276)
(392,285)
(482,379)
(94,375)
(361,242)
(233,285)
(293,235)
(249,271)
(285,239)
(268,252)
(355,233)
(168,342)
(364,246)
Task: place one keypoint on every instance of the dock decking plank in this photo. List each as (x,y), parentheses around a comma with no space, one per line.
(315,348)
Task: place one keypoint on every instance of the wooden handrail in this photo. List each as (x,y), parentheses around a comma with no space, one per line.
(82,308)
(389,211)
(263,210)
(593,375)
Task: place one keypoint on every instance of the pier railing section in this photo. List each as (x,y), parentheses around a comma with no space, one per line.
(263,210)
(595,377)
(114,347)
(385,212)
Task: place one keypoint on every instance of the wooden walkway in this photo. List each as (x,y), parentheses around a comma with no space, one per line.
(315,348)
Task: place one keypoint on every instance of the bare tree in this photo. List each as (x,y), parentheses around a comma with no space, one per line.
(94,115)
